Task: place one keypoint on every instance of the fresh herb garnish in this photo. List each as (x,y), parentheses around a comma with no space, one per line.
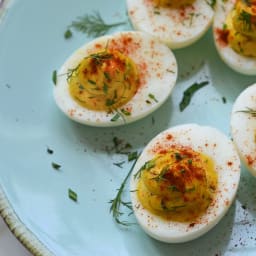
(132,156)
(162,173)
(72,195)
(115,117)
(212,3)
(152,97)
(246,18)
(54,77)
(249,111)
(117,202)
(68,34)
(92,24)
(147,166)
(189,92)
(119,164)
(56,166)
(50,151)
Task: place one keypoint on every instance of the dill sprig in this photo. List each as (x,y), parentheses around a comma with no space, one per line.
(118,202)
(250,111)
(93,25)
(246,18)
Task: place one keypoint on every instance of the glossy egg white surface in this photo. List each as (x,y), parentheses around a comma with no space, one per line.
(157,72)
(239,63)
(177,28)
(243,127)
(206,140)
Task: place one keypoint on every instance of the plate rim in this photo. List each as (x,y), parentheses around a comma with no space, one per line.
(25,236)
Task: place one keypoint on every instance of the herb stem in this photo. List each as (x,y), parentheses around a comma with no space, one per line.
(117,202)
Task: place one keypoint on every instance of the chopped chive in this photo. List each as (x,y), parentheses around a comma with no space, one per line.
(125,112)
(105,88)
(49,151)
(182,171)
(72,195)
(109,102)
(115,117)
(173,188)
(91,82)
(189,161)
(107,76)
(132,156)
(81,87)
(68,34)
(54,77)
(189,92)
(119,164)
(152,96)
(56,166)
(148,101)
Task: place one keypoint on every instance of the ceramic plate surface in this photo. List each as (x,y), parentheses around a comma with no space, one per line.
(34,196)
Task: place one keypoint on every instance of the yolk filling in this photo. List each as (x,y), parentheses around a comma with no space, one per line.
(104,81)
(173,3)
(241,25)
(177,185)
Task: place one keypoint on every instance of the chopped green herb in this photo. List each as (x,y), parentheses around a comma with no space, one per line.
(147,166)
(132,156)
(212,3)
(91,82)
(224,100)
(178,156)
(125,112)
(105,88)
(189,92)
(110,102)
(68,34)
(189,161)
(50,151)
(148,101)
(249,111)
(182,171)
(81,87)
(246,18)
(225,26)
(54,77)
(93,25)
(161,175)
(152,96)
(173,188)
(120,164)
(72,195)
(157,12)
(115,117)
(117,202)
(56,166)
(107,76)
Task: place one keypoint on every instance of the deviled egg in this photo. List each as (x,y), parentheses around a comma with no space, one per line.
(234,29)
(243,127)
(115,79)
(184,182)
(176,23)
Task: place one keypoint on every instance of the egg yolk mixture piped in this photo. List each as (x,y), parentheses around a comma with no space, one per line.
(104,81)
(241,28)
(177,185)
(173,3)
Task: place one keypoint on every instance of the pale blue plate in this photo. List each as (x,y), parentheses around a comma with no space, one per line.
(34,199)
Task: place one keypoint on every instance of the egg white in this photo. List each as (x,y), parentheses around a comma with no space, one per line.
(159,77)
(206,140)
(243,127)
(239,63)
(177,28)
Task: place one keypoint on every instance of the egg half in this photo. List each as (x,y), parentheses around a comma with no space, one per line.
(243,127)
(177,26)
(224,30)
(202,140)
(115,79)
